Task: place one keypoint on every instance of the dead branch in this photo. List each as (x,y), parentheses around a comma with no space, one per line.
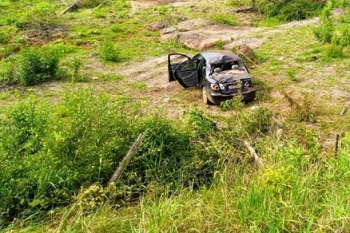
(70,8)
(122,165)
(254,154)
(96,8)
(336,144)
(244,9)
(344,111)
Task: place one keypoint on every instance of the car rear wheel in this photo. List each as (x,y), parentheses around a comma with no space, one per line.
(205,97)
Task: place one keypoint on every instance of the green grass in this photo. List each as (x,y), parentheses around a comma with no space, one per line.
(292,126)
(293,192)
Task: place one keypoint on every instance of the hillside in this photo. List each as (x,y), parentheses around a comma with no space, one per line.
(79,83)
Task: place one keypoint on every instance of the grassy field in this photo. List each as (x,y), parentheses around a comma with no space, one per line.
(100,79)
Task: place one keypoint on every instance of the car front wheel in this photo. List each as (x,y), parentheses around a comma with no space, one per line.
(205,97)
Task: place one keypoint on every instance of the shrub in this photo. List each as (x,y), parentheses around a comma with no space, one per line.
(26,124)
(341,36)
(7,73)
(290,10)
(232,104)
(219,44)
(333,51)
(324,32)
(226,19)
(89,3)
(50,153)
(109,52)
(259,121)
(41,16)
(334,31)
(36,66)
(340,3)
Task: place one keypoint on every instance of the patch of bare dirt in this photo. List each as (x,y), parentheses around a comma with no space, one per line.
(44,36)
(198,34)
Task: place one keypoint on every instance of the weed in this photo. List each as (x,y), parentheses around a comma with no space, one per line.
(284,10)
(162,10)
(233,104)
(115,77)
(37,66)
(333,51)
(224,19)
(118,28)
(303,109)
(89,3)
(325,32)
(42,16)
(259,121)
(291,75)
(109,52)
(219,44)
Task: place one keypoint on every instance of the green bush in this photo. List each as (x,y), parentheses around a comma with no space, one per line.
(41,16)
(7,73)
(226,19)
(50,152)
(334,31)
(168,158)
(26,124)
(325,32)
(89,3)
(333,51)
(341,36)
(109,52)
(340,3)
(38,65)
(258,121)
(288,10)
(232,104)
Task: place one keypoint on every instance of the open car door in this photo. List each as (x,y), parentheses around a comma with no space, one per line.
(185,72)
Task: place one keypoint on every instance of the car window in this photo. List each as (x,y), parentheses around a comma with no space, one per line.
(188,65)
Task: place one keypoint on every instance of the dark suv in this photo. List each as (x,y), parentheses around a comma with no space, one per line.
(221,75)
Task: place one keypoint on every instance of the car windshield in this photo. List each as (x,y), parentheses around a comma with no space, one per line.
(223,66)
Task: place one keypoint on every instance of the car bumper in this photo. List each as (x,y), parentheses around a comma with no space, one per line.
(218,97)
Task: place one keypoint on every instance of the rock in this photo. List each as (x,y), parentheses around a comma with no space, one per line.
(156,26)
(193,24)
(168,34)
(200,41)
(166,31)
(246,52)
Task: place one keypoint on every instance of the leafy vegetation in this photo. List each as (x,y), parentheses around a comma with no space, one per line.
(195,168)
(334,31)
(78,142)
(109,52)
(290,10)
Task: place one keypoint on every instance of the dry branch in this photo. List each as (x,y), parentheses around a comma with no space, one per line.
(336,144)
(70,8)
(344,111)
(96,8)
(122,165)
(254,154)
(245,9)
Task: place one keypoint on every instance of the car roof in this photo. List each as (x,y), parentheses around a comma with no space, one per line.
(219,56)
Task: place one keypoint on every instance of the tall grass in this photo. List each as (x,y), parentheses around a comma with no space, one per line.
(297,190)
(293,193)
